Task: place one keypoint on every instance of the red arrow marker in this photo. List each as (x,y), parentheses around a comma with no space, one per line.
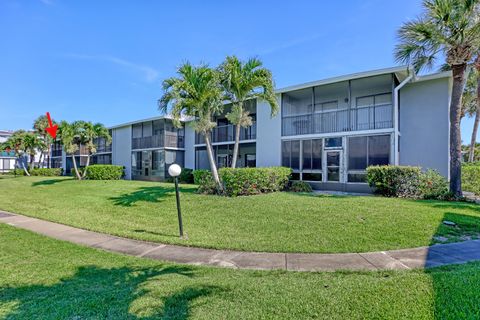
(52,129)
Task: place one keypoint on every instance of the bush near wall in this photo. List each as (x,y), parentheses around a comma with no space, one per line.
(407,182)
(250,181)
(46,172)
(244,181)
(104,172)
(300,186)
(205,182)
(471,177)
(186,176)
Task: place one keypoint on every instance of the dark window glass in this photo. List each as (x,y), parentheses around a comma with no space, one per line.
(137,130)
(317,154)
(295,176)
(295,162)
(312,176)
(333,142)
(286,153)
(357,177)
(307,154)
(357,153)
(250,160)
(378,150)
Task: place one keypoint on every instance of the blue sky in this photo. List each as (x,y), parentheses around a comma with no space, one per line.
(104,60)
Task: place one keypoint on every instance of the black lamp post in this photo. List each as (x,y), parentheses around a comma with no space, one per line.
(174,171)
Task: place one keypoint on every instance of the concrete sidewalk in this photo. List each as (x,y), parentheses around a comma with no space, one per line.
(423,257)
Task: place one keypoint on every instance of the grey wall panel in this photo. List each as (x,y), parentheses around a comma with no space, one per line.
(122,149)
(424,124)
(269,131)
(189,146)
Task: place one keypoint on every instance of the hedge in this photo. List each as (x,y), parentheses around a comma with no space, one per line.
(46,172)
(471,177)
(244,181)
(300,186)
(104,172)
(249,181)
(408,182)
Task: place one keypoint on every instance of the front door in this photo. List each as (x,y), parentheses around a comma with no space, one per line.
(333,163)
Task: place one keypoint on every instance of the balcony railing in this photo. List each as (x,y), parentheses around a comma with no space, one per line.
(7,154)
(227,134)
(104,148)
(167,140)
(363,118)
(56,153)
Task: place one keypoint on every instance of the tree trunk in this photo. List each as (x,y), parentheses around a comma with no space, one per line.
(459,73)
(32,163)
(213,165)
(86,167)
(40,160)
(48,155)
(471,152)
(236,145)
(25,169)
(79,177)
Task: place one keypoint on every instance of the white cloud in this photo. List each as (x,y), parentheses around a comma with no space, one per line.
(149,74)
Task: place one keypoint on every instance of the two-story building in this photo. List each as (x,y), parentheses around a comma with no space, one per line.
(327,131)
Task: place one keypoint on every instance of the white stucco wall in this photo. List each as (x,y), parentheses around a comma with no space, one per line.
(189,146)
(424,124)
(269,136)
(121,149)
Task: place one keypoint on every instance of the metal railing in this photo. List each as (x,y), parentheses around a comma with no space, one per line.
(166,140)
(226,133)
(363,118)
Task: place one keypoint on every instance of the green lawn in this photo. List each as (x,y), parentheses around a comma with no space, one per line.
(280,222)
(42,278)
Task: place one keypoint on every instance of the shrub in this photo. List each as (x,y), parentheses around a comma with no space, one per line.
(104,172)
(434,186)
(46,172)
(186,176)
(205,181)
(17,172)
(250,181)
(471,177)
(300,186)
(395,181)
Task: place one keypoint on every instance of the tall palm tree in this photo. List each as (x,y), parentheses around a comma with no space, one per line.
(451,28)
(90,133)
(243,81)
(40,125)
(70,139)
(32,143)
(195,92)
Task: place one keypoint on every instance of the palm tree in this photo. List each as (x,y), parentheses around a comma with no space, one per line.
(196,93)
(16,143)
(451,28)
(473,104)
(90,133)
(243,81)
(70,139)
(32,143)
(40,125)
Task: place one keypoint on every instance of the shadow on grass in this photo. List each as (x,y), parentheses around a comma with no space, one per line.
(99,293)
(48,182)
(148,194)
(456,287)
(156,233)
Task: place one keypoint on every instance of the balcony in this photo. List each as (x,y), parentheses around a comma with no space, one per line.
(7,154)
(227,134)
(56,153)
(104,148)
(358,119)
(166,140)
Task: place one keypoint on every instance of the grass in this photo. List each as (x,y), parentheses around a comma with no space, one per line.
(280,222)
(43,278)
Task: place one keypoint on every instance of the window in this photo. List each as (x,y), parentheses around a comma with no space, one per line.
(137,130)
(333,143)
(291,154)
(250,160)
(312,154)
(364,152)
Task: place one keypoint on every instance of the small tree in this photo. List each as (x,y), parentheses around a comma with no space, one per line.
(16,142)
(32,143)
(90,133)
(243,81)
(195,92)
(70,139)
(40,125)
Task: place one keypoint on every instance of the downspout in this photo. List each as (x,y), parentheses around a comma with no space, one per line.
(395,115)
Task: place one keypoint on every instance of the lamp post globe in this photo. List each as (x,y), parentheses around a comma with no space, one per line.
(174,170)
